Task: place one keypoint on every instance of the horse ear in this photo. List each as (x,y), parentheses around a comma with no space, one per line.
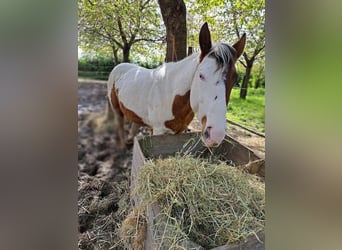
(204,40)
(240,45)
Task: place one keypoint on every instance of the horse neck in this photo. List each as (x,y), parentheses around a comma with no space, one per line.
(182,72)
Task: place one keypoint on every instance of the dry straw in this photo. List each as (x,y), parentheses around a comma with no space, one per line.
(133,230)
(211,204)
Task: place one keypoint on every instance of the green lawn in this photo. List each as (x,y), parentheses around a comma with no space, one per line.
(250,112)
(94,75)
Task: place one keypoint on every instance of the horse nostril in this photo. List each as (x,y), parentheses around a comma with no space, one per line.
(206,133)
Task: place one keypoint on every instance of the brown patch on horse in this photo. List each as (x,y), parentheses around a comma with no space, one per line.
(182,112)
(204,122)
(131,115)
(114,99)
(231,78)
(125,111)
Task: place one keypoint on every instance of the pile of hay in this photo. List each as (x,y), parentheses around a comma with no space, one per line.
(209,204)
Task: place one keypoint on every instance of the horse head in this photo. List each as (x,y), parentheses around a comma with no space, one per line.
(212,84)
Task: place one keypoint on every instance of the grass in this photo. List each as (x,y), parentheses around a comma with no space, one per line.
(249,112)
(93,75)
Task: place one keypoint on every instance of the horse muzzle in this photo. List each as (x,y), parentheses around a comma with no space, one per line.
(212,137)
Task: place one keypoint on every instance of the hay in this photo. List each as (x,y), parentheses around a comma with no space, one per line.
(133,230)
(209,204)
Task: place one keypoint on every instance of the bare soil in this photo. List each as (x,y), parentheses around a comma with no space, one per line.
(104,171)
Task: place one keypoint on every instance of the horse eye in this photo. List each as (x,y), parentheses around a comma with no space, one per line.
(202,77)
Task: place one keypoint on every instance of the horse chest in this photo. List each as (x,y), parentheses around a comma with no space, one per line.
(182,113)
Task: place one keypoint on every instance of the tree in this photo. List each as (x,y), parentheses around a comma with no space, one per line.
(231,18)
(248,16)
(174,16)
(117,25)
(199,12)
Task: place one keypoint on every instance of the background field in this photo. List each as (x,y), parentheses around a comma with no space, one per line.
(249,112)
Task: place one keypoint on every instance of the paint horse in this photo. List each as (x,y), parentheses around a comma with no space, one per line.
(167,97)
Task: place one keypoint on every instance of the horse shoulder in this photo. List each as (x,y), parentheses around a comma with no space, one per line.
(182,113)
(170,98)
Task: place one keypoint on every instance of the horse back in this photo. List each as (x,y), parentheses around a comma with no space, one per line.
(117,73)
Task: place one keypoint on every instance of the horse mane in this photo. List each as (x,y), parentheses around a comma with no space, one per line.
(223,54)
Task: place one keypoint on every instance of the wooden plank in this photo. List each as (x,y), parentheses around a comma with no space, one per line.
(153,210)
(167,145)
(163,145)
(248,129)
(138,161)
(252,243)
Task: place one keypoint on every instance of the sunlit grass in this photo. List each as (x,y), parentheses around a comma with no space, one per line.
(93,75)
(249,112)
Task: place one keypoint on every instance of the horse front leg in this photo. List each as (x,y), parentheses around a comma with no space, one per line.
(134,129)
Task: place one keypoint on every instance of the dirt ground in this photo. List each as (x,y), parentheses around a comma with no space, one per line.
(104,172)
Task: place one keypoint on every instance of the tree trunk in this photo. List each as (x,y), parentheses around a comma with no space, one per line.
(115,55)
(257,83)
(126,51)
(190,50)
(260,78)
(174,17)
(244,85)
